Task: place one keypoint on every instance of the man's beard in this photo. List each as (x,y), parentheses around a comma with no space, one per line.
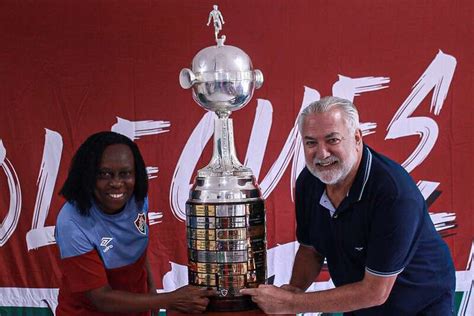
(335,174)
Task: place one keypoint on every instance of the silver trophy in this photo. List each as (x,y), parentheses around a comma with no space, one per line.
(225,212)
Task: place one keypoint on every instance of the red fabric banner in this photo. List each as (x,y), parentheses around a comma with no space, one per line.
(69,69)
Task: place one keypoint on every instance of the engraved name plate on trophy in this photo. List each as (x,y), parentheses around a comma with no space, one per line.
(225,212)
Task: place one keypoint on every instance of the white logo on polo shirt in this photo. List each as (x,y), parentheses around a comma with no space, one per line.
(359,248)
(105,243)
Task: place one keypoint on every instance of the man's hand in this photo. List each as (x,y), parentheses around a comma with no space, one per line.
(271,299)
(291,288)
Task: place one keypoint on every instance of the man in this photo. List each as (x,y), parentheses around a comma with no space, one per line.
(364,214)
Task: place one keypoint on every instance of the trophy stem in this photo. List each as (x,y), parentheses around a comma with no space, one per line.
(224,161)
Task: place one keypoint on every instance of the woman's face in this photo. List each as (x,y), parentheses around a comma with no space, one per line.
(115,179)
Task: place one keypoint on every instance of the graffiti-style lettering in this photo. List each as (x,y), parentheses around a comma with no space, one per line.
(9,223)
(39,235)
(437,77)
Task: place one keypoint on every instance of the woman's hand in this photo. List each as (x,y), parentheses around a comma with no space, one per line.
(190,299)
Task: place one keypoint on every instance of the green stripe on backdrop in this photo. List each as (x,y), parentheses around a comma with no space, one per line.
(37,311)
(457,301)
(25,311)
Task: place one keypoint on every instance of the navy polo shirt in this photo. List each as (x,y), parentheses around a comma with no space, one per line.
(382,227)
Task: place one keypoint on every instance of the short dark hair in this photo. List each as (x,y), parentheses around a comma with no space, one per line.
(80,182)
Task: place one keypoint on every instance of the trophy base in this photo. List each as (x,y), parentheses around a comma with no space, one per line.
(231,304)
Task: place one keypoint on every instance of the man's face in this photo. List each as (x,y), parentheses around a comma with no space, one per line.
(115,179)
(331,150)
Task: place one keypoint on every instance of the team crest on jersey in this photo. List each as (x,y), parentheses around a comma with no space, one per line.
(140,223)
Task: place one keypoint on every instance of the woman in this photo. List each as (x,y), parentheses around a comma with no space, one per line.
(102,236)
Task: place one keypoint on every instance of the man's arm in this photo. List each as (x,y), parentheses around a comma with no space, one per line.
(371,291)
(306,268)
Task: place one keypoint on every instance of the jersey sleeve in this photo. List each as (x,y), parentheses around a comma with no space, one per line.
(71,238)
(80,263)
(84,272)
(394,236)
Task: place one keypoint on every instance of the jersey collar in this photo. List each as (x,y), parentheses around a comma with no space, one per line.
(357,189)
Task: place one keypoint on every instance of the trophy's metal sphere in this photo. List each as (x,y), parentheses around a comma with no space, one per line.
(222,78)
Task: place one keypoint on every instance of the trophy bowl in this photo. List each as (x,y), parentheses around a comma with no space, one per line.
(222,78)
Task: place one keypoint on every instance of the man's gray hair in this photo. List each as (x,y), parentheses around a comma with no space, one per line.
(328,103)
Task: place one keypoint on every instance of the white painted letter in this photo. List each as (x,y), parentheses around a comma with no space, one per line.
(180,182)
(9,223)
(39,235)
(437,76)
